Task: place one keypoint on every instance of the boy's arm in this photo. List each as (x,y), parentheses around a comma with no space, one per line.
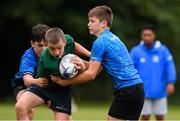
(29,80)
(170,72)
(80,50)
(88,75)
(42,81)
(81,64)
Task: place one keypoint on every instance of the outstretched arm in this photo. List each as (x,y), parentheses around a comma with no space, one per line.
(88,75)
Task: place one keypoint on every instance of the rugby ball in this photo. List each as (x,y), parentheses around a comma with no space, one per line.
(67,68)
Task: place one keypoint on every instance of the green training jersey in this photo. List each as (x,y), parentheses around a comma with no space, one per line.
(49,65)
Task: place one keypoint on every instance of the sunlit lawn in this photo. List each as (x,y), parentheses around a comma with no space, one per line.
(86,111)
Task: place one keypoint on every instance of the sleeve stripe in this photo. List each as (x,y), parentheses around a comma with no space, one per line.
(28,72)
(96,59)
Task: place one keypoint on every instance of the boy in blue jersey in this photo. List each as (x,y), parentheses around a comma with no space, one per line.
(28,65)
(155,65)
(109,52)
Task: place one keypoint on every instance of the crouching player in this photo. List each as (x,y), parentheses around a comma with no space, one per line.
(28,66)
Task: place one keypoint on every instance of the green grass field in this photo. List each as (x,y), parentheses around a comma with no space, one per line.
(86,111)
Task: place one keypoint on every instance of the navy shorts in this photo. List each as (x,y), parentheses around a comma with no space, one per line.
(58,96)
(128,103)
(17,89)
(17,86)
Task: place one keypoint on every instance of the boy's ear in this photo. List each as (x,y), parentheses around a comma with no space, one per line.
(104,24)
(65,44)
(32,43)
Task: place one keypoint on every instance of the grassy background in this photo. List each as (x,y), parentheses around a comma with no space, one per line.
(86,111)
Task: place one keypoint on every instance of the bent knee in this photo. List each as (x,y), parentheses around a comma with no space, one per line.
(19,107)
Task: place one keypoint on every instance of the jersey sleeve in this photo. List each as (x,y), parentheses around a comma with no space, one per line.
(169,66)
(27,65)
(70,44)
(98,50)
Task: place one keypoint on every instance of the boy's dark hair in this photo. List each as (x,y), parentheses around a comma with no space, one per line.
(54,35)
(102,13)
(38,32)
(148,27)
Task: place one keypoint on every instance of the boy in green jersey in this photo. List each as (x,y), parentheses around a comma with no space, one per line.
(58,45)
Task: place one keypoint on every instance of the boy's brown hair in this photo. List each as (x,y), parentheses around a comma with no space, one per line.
(102,13)
(54,35)
(38,32)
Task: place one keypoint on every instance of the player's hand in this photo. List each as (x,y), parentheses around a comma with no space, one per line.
(170,89)
(42,82)
(59,81)
(79,63)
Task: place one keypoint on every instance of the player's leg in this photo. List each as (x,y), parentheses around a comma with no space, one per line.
(159,117)
(110,118)
(59,116)
(27,101)
(160,108)
(74,105)
(31,111)
(147,110)
(18,92)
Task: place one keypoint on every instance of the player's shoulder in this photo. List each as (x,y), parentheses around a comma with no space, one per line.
(99,42)
(69,38)
(108,37)
(164,47)
(70,44)
(160,46)
(29,53)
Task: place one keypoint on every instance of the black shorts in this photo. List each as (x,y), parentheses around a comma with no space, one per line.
(17,89)
(59,97)
(17,85)
(128,103)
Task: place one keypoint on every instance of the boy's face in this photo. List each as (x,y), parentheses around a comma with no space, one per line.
(148,36)
(96,26)
(38,47)
(56,50)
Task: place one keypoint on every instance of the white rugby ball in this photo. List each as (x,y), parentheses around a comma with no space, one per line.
(67,68)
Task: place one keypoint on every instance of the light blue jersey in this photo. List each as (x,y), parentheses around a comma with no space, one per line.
(156,68)
(111,52)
